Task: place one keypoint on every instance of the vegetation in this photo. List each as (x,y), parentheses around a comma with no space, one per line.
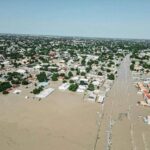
(73,87)
(55,77)
(37,90)
(42,77)
(111,76)
(91,87)
(4,86)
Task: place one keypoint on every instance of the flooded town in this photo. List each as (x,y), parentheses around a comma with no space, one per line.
(74,93)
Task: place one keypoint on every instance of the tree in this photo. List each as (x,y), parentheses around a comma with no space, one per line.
(91,87)
(42,77)
(100,74)
(25,82)
(83,73)
(15,81)
(132,67)
(71,81)
(4,86)
(111,76)
(55,77)
(73,87)
(37,90)
(70,74)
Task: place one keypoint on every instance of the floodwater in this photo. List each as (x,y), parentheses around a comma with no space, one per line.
(62,121)
(121,125)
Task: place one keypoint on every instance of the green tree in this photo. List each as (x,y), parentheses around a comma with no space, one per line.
(73,87)
(91,87)
(111,76)
(54,77)
(70,74)
(42,77)
(4,86)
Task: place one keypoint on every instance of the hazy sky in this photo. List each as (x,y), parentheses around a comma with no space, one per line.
(92,18)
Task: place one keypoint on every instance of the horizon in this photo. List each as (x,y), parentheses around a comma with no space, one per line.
(95,19)
(72,36)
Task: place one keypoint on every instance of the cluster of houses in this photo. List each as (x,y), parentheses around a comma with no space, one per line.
(87,66)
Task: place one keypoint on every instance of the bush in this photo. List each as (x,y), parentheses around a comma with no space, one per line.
(5,92)
(25,82)
(83,73)
(37,90)
(71,81)
(108,70)
(132,67)
(15,82)
(100,74)
(64,81)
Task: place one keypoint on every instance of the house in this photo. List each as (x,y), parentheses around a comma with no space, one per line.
(21,71)
(81,88)
(92,97)
(147,120)
(45,93)
(101,99)
(64,86)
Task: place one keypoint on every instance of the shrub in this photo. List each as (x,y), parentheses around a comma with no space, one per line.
(5,92)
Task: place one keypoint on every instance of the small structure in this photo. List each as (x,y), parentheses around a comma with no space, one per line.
(101,99)
(75,78)
(147,120)
(17,91)
(42,84)
(21,71)
(81,88)
(92,97)
(64,86)
(45,93)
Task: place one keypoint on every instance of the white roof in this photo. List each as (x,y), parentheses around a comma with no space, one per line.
(81,88)
(75,78)
(96,83)
(64,86)
(45,93)
(16,91)
(84,79)
(100,99)
(21,71)
(92,97)
(37,67)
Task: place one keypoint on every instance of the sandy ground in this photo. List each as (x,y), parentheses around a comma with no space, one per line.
(121,125)
(61,121)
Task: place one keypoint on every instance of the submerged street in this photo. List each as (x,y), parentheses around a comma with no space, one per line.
(121,126)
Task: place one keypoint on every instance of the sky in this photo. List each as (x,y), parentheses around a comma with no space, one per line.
(86,18)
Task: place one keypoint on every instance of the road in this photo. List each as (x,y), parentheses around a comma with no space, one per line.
(120,126)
